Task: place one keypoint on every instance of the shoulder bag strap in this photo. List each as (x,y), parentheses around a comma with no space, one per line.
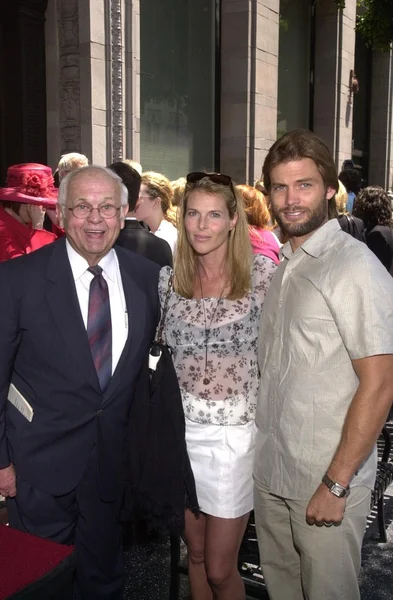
(161,325)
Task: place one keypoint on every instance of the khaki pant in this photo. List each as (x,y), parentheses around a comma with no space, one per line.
(306,562)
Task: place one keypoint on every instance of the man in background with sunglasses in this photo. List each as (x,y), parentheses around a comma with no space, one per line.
(326,362)
(77,318)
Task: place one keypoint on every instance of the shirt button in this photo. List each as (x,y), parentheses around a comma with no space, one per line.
(271,430)
(100,413)
(281,302)
(273,367)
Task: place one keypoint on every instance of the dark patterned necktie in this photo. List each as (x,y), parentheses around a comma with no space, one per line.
(99,326)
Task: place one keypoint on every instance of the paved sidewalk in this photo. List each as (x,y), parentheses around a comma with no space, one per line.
(148,564)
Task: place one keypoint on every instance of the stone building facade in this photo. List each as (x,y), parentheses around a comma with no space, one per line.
(206,84)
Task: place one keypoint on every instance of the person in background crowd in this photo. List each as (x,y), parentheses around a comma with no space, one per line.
(373,206)
(213,301)
(275,229)
(73,357)
(133,164)
(178,187)
(326,363)
(154,207)
(263,241)
(260,187)
(70,162)
(28,193)
(133,236)
(337,209)
(353,182)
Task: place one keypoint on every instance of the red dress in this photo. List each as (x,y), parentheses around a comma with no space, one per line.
(17,239)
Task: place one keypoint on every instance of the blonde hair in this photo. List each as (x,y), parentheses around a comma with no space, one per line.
(178,187)
(70,162)
(133,164)
(341,198)
(159,186)
(239,247)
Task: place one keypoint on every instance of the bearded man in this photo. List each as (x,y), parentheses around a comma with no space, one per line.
(325,356)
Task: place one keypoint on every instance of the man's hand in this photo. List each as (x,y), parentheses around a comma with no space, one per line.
(325,508)
(8,482)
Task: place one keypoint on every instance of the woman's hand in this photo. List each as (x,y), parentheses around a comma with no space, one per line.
(36,215)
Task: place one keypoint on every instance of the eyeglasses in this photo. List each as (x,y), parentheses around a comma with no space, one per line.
(219,178)
(82,211)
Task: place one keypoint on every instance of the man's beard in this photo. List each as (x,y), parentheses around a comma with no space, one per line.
(317,217)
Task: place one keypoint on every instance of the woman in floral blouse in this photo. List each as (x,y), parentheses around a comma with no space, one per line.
(214,300)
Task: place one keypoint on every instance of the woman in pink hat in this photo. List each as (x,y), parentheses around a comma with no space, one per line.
(29,191)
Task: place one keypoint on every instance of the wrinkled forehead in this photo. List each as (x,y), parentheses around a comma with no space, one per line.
(93,185)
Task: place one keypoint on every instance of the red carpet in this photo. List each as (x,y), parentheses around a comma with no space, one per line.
(24,559)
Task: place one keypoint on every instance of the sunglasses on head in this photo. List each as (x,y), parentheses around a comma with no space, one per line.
(215,177)
(219,178)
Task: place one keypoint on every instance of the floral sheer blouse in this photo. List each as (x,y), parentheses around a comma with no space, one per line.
(215,343)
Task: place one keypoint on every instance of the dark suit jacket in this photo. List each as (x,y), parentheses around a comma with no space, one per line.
(380,241)
(135,238)
(44,352)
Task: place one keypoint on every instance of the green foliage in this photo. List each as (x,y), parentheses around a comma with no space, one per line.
(375,22)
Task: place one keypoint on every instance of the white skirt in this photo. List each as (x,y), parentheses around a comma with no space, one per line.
(222,461)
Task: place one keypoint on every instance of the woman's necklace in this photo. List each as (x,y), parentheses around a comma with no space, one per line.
(206,379)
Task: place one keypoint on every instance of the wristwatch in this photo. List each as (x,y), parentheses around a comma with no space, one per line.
(336,488)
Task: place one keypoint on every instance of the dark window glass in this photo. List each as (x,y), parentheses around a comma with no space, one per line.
(177,85)
(294,65)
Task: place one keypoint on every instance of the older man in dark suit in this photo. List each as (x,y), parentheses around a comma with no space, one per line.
(76,319)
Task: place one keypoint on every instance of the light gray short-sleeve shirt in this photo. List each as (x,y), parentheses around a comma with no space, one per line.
(330,302)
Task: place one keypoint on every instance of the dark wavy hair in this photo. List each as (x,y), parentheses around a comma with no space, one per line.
(298,144)
(373,206)
(351,179)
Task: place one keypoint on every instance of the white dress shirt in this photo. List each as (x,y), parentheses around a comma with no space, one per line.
(167,232)
(111,274)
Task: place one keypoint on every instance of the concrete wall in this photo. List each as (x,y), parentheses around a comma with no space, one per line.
(334,59)
(93,79)
(249,62)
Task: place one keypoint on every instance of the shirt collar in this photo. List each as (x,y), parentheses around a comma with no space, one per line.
(316,243)
(79,265)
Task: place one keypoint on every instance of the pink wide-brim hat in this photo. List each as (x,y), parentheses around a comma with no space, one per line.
(30,183)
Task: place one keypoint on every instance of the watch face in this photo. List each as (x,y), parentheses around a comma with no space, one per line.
(337,490)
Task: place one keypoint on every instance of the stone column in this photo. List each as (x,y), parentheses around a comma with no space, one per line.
(334,60)
(63,80)
(92,77)
(132,79)
(249,85)
(99,28)
(381,126)
(52,85)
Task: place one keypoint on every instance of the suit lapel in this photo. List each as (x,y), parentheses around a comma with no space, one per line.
(64,306)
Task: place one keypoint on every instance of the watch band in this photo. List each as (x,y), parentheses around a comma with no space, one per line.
(335,488)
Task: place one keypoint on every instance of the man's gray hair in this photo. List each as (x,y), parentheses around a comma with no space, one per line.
(71,161)
(63,189)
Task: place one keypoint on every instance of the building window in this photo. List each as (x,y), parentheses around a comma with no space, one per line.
(177,85)
(294,65)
